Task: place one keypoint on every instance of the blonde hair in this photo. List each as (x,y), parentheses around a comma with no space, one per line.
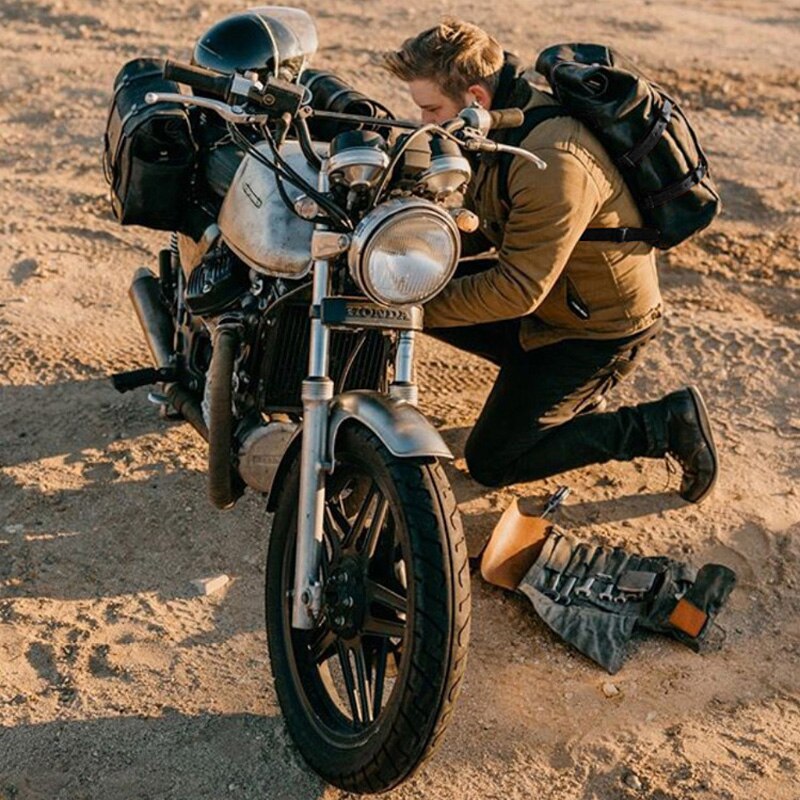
(454,54)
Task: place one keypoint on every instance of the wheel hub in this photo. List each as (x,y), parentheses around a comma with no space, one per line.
(345,598)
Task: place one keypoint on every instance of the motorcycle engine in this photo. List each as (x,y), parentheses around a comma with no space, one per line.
(216,283)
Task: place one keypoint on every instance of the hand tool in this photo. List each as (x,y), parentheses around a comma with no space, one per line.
(616,563)
(633,585)
(555,500)
(582,560)
(560,558)
(593,570)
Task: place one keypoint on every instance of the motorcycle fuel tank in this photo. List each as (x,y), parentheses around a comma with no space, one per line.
(255,222)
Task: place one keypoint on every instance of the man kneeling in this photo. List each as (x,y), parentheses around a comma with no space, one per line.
(565,320)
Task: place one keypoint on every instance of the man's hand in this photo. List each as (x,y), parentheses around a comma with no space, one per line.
(549,212)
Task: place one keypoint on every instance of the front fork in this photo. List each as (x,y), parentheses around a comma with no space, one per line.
(317,394)
(315,463)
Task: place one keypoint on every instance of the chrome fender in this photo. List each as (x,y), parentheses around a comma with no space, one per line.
(406,432)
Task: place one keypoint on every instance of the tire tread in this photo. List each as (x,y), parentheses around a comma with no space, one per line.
(436,672)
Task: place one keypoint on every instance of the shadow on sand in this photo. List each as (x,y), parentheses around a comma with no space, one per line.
(171,756)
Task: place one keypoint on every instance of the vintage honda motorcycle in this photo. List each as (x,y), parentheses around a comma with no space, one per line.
(285,335)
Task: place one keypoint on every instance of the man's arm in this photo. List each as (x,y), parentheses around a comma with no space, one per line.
(549,212)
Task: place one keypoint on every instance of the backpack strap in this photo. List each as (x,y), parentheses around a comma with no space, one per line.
(676,189)
(515,137)
(632,158)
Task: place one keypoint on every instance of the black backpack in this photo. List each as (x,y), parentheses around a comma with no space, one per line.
(645,133)
(150,152)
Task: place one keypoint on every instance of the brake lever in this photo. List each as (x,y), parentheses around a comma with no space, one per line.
(234,114)
(475,144)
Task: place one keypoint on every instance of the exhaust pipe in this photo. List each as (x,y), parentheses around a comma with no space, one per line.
(159,333)
(225,486)
(155,319)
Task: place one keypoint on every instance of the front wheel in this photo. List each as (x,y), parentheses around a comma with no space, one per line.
(367,694)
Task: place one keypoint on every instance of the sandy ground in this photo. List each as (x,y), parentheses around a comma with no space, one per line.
(116,682)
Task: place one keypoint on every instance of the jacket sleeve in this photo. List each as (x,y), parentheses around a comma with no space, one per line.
(550,210)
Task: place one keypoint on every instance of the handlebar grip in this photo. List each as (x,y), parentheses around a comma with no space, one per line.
(204,80)
(506,118)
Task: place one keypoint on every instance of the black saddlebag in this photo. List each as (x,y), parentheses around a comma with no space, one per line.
(150,152)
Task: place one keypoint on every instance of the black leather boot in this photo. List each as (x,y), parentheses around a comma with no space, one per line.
(678,425)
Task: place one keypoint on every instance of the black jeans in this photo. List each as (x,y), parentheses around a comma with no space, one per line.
(538,420)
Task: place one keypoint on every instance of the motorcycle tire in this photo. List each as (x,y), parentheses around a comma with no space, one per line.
(395,586)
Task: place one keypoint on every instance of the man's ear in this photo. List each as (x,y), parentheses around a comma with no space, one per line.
(480,93)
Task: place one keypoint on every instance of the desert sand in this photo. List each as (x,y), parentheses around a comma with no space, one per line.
(116,681)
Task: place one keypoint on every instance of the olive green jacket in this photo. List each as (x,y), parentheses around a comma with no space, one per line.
(561,288)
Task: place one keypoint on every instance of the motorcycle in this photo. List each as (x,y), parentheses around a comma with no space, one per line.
(286,337)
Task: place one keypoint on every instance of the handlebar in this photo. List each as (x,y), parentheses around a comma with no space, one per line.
(204,80)
(223,86)
(475,122)
(275,96)
(506,118)
(483,121)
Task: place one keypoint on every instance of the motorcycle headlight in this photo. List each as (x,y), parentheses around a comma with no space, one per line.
(404,252)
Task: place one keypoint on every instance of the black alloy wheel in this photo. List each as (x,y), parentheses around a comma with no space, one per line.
(368,691)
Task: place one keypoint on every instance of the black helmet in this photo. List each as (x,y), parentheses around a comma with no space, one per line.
(269,41)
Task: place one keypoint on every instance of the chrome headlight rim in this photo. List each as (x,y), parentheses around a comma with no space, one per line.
(364,237)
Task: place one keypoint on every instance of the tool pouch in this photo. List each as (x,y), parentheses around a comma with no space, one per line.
(598,628)
(595,598)
(599,634)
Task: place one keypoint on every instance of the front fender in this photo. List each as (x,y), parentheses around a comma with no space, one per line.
(406,432)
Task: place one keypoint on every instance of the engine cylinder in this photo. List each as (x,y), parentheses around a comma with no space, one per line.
(261,451)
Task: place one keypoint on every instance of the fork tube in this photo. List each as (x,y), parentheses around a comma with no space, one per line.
(403,386)
(316,394)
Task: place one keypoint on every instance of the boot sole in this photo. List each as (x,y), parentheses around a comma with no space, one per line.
(705,427)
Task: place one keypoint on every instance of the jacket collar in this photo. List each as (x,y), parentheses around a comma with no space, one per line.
(513,91)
